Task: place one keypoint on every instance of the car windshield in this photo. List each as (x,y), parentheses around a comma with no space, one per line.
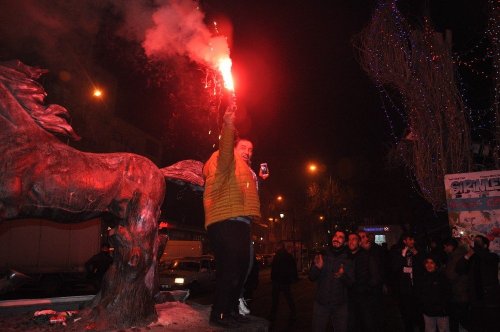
(185,266)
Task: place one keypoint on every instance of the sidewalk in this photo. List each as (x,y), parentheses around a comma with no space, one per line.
(17,315)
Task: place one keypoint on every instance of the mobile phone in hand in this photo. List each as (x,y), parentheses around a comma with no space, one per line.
(264,169)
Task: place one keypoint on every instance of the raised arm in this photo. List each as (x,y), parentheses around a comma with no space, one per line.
(226,143)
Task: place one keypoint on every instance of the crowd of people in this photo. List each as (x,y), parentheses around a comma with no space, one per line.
(446,286)
(449,286)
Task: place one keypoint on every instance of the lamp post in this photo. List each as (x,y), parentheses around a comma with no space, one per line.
(325,197)
(289,216)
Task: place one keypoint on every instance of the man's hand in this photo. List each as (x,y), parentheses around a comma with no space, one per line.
(340,272)
(263,176)
(230,115)
(318,261)
(469,253)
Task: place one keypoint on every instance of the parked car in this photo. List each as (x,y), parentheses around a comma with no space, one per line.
(194,273)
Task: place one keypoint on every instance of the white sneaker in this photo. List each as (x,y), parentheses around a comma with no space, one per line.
(243,307)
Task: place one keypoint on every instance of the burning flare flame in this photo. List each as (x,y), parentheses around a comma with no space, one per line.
(225,65)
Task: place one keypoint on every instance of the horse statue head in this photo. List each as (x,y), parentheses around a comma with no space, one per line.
(21,96)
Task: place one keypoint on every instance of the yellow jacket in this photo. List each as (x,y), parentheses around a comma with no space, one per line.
(230,184)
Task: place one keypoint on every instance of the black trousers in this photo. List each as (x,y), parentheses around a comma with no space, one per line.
(484,317)
(410,313)
(277,289)
(459,315)
(364,313)
(230,240)
(336,314)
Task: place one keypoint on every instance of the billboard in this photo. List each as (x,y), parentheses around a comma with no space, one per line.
(474,206)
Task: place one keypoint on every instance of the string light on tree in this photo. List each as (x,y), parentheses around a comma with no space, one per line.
(419,69)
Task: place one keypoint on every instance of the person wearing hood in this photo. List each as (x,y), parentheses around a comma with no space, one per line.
(334,274)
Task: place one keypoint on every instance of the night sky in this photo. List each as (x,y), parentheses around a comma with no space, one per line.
(317,104)
(297,79)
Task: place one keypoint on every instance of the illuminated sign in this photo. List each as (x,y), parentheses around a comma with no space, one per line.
(376,229)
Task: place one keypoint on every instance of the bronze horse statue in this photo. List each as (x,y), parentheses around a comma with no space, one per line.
(42,177)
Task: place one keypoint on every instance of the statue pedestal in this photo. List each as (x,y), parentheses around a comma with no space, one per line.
(172,316)
(177,316)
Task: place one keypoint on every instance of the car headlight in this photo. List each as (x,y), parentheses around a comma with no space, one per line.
(179,281)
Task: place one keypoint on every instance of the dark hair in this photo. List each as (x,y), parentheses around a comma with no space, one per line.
(239,139)
(406,235)
(340,230)
(353,233)
(485,240)
(451,241)
(433,258)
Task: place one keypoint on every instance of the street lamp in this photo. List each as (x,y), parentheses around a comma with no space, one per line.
(312,168)
(97,93)
(322,191)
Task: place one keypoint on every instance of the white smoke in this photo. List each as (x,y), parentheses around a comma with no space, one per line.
(164,28)
(179,28)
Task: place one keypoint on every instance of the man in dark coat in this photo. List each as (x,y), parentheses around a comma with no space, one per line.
(334,274)
(407,265)
(377,252)
(283,274)
(365,291)
(481,266)
(459,301)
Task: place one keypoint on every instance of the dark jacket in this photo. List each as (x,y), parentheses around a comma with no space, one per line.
(367,273)
(284,268)
(331,290)
(433,293)
(482,270)
(404,281)
(380,255)
(458,282)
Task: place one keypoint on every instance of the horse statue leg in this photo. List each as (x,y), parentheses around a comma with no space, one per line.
(127,293)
